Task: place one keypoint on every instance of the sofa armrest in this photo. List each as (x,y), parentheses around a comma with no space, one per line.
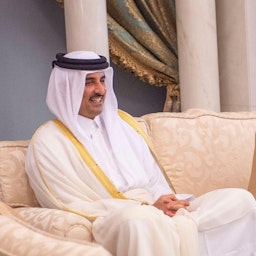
(57,222)
(19,238)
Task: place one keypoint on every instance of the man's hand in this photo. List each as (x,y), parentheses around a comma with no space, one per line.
(169,204)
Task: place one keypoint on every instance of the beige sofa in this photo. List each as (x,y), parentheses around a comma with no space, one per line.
(199,150)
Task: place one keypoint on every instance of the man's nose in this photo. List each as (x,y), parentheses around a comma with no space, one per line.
(100,87)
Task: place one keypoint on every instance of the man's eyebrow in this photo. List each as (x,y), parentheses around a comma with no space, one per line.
(92,78)
(89,78)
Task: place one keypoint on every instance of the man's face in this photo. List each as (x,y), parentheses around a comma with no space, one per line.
(94,95)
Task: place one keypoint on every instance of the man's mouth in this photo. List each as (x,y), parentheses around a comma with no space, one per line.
(98,98)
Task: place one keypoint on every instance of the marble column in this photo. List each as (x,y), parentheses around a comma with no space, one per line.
(198,54)
(86,26)
(236,21)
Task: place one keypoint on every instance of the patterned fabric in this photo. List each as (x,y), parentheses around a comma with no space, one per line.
(12,171)
(18,238)
(202,150)
(57,222)
(142,39)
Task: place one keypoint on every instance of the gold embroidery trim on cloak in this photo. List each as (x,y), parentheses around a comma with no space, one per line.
(94,167)
(89,217)
(98,172)
(134,124)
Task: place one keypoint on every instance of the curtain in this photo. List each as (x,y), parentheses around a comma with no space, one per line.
(143,40)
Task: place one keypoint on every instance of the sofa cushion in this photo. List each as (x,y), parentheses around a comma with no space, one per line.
(57,222)
(14,185)
(203,150)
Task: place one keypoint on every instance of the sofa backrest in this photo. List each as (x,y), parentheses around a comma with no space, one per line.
(14,185)
(202,150)
(199,150)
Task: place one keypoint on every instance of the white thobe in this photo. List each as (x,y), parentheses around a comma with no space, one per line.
(94,131)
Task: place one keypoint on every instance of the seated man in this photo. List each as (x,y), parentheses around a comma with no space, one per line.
(94,161)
